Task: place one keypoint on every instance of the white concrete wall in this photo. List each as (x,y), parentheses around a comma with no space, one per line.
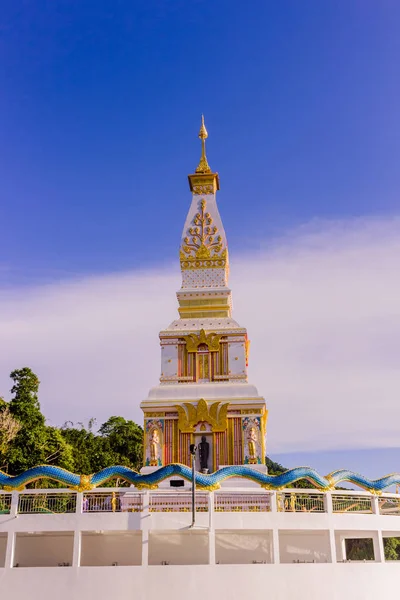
(243,547)
(237,358)
(169,360)
(342,581)
(178,548)
(43,549)
(106,548)
(307,546)
(3,547)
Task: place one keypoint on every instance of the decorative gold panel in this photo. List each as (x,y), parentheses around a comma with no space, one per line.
(215,415)
(211,340)
(202,248)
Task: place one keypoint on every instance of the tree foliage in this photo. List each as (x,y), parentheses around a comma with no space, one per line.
(392,548)
(118,442)
(26,440)
(359,549)
(35,443)
(9,427)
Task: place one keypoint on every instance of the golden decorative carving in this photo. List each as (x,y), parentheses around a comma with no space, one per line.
(202,248)
(146,486)
(251,411)
(207,183)
(204,189)
(203,236)
(215,262)
(247,351)
(211,340)
(153,414)
(215,415)
(84,483)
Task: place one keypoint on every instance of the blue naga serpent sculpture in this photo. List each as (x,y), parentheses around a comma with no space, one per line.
(204,482)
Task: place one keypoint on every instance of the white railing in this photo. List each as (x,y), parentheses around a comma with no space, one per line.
(345,503)
(47,503)
(236,502)
(389,505)
(112,501)
(181,502)
(300,502)
(5,504)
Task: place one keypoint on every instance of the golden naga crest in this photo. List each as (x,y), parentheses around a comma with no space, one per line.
(193,341)
(216,415)
(84,483)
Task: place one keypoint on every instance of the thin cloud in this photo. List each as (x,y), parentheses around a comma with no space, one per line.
(322,308)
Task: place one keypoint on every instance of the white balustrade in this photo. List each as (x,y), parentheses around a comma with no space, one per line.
(45,502)
(177,502)
(239,502)
(345,503)
(5,503)
(112,500)
(300,502)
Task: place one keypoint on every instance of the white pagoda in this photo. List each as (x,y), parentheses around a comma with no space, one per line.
(203,389)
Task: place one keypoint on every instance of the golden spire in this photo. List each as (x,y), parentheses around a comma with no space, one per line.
(203,181)
(203,166)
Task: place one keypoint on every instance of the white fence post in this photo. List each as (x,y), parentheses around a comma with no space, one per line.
(10,550)
(11,537)
(145,526)
(379,550)
(328,503)
(76,553)
(275,530)
(211,531)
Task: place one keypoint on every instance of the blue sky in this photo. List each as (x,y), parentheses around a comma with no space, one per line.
(100,108)
(99,113)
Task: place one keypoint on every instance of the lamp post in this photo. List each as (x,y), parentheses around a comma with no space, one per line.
(193,449)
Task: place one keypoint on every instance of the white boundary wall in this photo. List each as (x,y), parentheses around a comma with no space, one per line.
(261,532)
(361,581)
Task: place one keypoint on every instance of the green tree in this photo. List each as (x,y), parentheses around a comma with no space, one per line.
(118,442)
(9,427)
(359,549)
(126,441)
(35,443)
(392,548)
(90,452)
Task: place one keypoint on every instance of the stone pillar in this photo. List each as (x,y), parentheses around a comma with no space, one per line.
(211,531)
(145,527)
(343,548)
(76,554)
(10,549)
(11,537)
(332,542)
(377,539)
(275,530)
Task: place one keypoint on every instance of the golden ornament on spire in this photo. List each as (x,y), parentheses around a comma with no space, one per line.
(203,181)
(203,166)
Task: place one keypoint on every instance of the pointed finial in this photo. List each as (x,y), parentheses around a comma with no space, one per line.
(203,166)
(203,135)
